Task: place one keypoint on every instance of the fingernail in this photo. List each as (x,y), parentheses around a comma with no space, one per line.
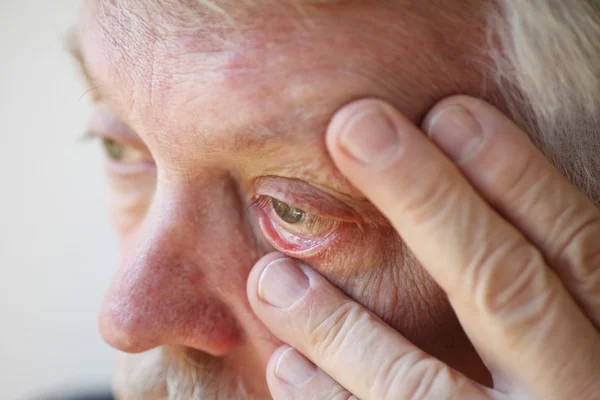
(282,283)
(370,137)
(457,132)
(294,369)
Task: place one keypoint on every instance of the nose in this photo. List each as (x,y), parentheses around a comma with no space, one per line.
(185,267)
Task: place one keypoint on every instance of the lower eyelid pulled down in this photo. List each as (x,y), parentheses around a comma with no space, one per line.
(312,234)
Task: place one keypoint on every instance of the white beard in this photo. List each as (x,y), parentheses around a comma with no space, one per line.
(165,374)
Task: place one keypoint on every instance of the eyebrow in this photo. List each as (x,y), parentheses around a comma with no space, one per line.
(73,47)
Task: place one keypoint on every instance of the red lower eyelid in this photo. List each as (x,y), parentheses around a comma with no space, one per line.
(281,244)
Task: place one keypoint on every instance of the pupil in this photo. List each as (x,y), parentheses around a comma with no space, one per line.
(285,212)
(114,149)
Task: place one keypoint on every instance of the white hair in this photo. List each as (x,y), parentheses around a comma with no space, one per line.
(550,59)
(173,373)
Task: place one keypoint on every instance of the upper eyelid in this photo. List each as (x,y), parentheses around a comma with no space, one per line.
(265,201)
(104,125)
(93,134)
(294,202)
(305,197)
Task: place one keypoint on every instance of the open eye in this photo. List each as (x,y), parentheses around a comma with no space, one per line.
(125,152)
(288,214)
(122,153)
(292,229)
(125,158)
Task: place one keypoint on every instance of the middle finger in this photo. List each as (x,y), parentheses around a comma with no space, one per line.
(517,180)
(514,309)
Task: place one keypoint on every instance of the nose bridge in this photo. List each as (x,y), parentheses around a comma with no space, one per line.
(174,282)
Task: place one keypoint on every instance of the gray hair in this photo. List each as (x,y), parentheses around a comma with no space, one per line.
(550,59)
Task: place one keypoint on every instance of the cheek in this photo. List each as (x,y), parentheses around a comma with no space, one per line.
(376,269)
(356,255)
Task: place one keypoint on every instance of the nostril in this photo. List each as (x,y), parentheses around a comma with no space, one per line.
(136,323)
(160,295)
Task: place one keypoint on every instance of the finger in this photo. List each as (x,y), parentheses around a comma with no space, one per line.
(349,343)
(293,377)
(512,306)
(523,185)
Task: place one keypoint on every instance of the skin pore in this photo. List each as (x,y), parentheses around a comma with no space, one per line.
(206,121)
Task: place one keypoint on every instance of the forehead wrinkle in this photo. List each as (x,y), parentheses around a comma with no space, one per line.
(153,83)
(123,59)
(113,52)
(170,104)
(219,13)
(157,13)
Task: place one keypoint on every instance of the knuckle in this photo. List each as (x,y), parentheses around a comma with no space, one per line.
(431,200)
(590,286)
(578,252)
(511,283)
(521,181)
(327,336)
(397,376)
(432,381)
(415,376)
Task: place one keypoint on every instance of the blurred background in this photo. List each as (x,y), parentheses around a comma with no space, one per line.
(57,250)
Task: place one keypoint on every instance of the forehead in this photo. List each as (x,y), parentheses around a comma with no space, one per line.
(179,70)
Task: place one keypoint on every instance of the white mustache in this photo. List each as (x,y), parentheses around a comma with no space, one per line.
(167,373)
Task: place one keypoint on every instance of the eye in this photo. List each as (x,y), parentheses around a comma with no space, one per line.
(122,153)
(289,214)
(292,229)
(125,151)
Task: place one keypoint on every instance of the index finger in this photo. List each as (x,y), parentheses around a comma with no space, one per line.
(348,342)
(496,280)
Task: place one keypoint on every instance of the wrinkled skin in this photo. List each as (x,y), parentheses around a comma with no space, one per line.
(214,110)
(511,241)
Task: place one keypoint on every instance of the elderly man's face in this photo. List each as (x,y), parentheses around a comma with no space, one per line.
(214,126)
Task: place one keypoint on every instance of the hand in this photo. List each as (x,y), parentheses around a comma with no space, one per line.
(512,243)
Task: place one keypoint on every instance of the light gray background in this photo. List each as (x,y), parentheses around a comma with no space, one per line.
(56,249)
